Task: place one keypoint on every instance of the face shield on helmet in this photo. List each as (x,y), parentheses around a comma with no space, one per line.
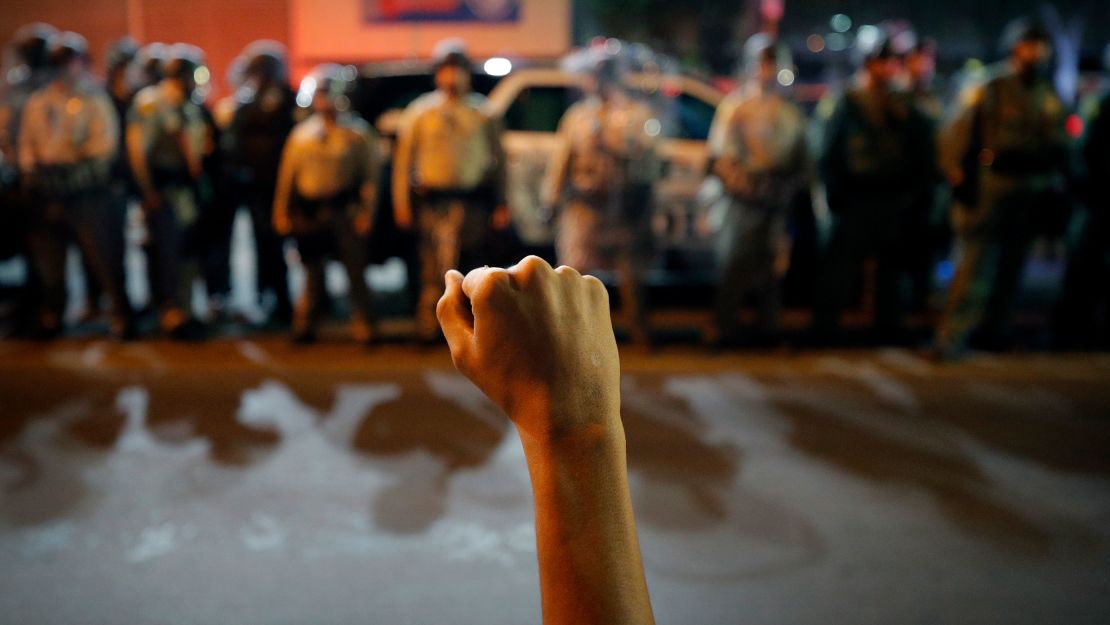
(67,55)
(264,64)
(451,66)
(30,44)
(327,88)
(184,65)
(767,61)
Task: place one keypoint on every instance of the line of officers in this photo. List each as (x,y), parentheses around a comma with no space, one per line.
(77,154)
(1001,159)
(895,173)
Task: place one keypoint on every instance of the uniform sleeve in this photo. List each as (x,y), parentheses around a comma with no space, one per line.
(402,164)
(286,172)
(103,140)
(719,128)
(29,124)
(955,138)
(500,160)
(137,137)
(830,157)
(371,169)
(558,166)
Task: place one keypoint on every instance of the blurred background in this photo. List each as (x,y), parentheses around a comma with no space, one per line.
(858,255)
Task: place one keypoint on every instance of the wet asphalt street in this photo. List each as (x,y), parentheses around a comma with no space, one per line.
(249,481)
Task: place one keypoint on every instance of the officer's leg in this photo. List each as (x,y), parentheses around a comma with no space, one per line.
(732,280)
(576,241)
(94,289)
(890,267)
(166,248)
(440,223)
(48,243)
(351,249)
(473,234)
(838,276)
(768,237)
(969,290)
(306,314)
(98,229)
(633,256)
(1013,249)
(272,273)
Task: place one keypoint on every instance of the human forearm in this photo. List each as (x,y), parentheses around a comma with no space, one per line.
(589,554)
(539,342)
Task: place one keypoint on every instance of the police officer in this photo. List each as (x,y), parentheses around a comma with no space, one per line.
(870,157)
(326,192)
(448,178)
(254,142)
(1003,151)
(166,137)
(67,144)
(759,156)
(28,73)
(30,49)
(1083,316)
(601,175)
(925,229)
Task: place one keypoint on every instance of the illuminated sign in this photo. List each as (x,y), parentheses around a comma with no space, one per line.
(481,11)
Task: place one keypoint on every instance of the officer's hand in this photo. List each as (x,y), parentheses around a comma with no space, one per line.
(500,218)
(539,343)
(282,225)
(152,201)
(547,214)
(362,224)
(955,177)
(403,220)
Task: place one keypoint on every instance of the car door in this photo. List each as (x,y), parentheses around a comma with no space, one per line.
(532,111)
(686,108)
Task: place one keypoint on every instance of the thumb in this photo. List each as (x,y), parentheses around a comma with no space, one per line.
(455,317)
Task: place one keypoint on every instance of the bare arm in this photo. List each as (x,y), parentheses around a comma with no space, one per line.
(540,344)
(104,132)
(402,171)
(558,165)
(286,171)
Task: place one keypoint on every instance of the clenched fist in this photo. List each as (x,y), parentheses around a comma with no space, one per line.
(539,342)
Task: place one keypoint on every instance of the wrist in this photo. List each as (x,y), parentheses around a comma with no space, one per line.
(582,436)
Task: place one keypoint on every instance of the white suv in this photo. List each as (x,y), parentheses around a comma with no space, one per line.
(531,102)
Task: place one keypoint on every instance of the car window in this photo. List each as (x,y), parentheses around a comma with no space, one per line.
(539,109)
(694,117)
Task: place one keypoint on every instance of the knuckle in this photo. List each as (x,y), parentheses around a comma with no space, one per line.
(567,271)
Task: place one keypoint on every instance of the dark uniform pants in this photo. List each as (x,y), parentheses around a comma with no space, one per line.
(994,240)
(333,235)
(272,273)
(599,234)
(176,247)
(864,228)
(745,251)
(452,229)
(95,223)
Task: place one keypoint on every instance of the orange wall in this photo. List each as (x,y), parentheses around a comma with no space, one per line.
(313,30)
(336,30)
(220,28)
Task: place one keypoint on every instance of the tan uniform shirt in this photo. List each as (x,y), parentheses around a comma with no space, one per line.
(603,145)
(163,134)
(64,125)
(762,133)
(319,162)
(446,145)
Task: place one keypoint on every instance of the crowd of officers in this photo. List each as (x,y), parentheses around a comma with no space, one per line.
(888,160)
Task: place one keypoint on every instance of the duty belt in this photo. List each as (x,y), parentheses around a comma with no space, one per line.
(70,179)
(309,207)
